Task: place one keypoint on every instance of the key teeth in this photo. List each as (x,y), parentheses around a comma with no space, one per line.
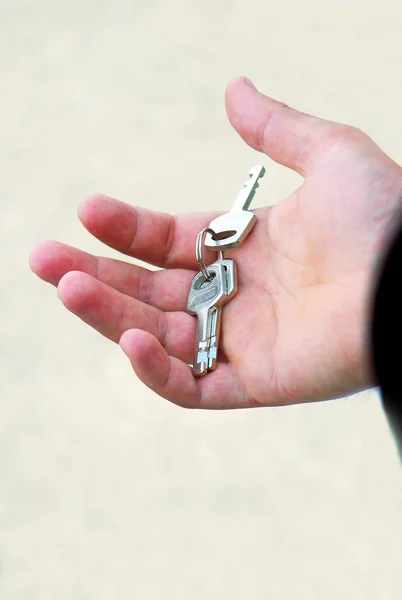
(212,352)
(202,356)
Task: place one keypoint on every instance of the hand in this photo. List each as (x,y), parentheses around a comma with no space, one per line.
(297,328)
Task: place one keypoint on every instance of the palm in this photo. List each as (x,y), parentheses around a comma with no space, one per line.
(295,330)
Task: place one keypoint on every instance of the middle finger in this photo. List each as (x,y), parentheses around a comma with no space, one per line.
(163,289)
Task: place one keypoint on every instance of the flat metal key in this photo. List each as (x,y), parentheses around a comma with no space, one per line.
(233,227)
(215,313)
(205,295)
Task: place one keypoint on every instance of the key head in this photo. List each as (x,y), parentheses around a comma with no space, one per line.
(230,230)
(203,293)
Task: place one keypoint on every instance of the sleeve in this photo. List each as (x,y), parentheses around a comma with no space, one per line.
(386,333)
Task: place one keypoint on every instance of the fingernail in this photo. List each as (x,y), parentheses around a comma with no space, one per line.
(249,83)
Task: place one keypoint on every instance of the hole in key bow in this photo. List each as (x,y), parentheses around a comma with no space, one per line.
(207,281)
(223,235)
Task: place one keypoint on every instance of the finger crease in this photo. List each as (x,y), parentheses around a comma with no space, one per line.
(162,328)
(118,328)
(137,227)
(170,237)
(97,268)
(146,287)
(168,375)
(263,132)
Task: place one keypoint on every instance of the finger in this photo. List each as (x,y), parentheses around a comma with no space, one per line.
(166,289)
(157,238)
(112,313)
(172,379)
(289,137)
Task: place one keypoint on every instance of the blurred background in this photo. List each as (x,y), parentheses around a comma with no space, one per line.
(106,490)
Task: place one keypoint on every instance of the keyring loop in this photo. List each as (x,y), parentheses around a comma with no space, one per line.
(198,252)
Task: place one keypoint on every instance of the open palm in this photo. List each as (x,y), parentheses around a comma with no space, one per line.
(296,330)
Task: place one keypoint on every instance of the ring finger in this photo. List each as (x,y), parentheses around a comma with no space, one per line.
(112,313)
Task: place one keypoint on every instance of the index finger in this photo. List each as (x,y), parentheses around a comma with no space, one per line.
(158,238)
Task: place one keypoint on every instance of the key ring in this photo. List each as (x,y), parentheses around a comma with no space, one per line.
(198,252)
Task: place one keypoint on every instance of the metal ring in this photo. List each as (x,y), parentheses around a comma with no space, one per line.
(198,252)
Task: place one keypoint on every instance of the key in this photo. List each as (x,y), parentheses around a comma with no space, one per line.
(205,295)
(233,227)
(215,314)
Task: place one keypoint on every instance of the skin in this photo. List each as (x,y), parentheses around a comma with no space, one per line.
(297,329)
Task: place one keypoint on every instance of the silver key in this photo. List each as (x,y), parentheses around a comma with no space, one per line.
(233,227)
(215,314)
(205,295)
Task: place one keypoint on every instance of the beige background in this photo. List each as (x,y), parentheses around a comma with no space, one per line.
(107,491)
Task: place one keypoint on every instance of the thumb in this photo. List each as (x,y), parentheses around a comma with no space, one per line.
(289,137)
